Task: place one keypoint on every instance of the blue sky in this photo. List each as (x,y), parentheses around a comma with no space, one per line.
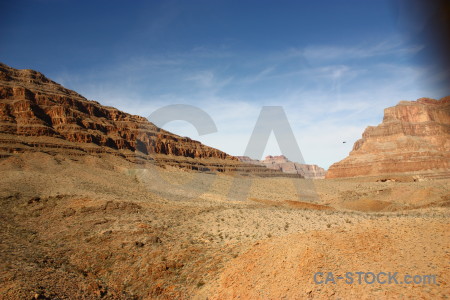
(333,65)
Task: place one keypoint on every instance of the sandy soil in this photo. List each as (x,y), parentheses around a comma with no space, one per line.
(96,228)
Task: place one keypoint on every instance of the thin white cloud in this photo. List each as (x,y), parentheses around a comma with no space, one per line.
(325,53)
(264,74)
(327,102)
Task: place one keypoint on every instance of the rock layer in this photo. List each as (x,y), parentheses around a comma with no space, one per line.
(283,164)
(32,105)
(38,114)
(413,137)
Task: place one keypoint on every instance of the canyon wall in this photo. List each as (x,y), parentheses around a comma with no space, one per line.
(283,164)
(414,137)
(32,105)
(38,114)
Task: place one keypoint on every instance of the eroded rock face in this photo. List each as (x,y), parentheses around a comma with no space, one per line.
(39,115)
(283,164)
(32,105)
(413,137)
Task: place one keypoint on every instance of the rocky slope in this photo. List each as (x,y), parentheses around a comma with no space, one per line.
(39,115)
(83,230)
(414,137)
(283,164)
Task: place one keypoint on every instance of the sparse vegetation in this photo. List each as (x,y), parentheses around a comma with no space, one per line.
(134,231)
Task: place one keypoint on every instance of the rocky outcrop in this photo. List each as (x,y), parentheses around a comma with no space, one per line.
(32,105)
(413,137)
(38,114)
(281,163)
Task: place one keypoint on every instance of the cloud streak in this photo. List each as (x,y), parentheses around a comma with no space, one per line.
(328,94)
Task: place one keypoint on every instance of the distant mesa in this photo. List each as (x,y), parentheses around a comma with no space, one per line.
(414,137)
(283,164)
(40,115)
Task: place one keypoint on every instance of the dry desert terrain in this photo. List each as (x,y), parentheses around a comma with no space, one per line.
(102,228)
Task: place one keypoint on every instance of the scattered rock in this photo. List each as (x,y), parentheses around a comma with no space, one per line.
(68,212)
(34,200)
(155,240)
(139,244)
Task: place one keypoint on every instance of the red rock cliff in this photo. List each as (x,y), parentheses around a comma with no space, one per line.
(32,105)
(413,137)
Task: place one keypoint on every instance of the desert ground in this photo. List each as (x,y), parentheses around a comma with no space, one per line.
(99,227)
